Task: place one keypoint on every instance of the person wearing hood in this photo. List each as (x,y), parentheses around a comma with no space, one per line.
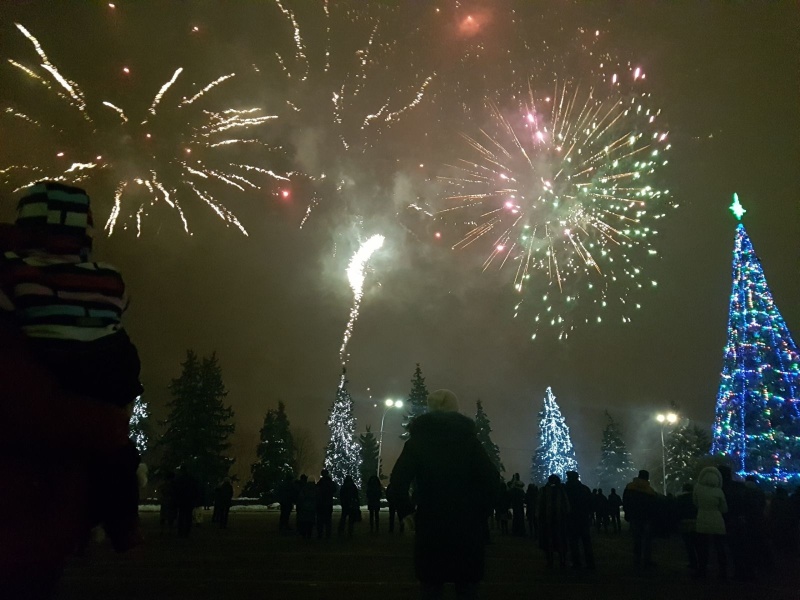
(71,310)
(455,483)
(710,524)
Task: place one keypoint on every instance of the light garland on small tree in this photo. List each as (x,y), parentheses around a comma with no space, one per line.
(555,454)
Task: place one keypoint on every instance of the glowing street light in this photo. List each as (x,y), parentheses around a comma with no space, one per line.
(669,418)
(389,404)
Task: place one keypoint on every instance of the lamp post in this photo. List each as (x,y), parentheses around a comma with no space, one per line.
(662,418)
(389,404)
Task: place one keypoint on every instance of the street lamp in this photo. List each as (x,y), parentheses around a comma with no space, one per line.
(662,418)
(389,405)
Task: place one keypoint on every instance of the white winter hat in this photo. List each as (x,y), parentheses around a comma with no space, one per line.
(442,401)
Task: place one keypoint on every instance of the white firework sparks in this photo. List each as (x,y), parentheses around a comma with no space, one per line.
(356,275)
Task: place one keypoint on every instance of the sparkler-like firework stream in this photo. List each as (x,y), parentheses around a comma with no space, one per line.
(564,191)
(149,157)
(356,275)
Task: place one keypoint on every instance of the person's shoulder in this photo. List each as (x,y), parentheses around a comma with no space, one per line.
(439,421)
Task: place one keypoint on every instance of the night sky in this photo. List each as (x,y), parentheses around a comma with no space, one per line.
(274,304)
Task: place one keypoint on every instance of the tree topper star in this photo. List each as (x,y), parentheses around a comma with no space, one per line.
(737,208)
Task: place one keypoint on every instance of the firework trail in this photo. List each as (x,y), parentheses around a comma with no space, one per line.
(563,189)
(149,160)
(356,275)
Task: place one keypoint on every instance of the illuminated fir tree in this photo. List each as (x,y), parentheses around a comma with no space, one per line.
(275,455)
(417,400)
(616,465)
(685,445)
(199,424)
(555,453)
(484,430)
(343,452)
(369,455)
(139,426)
(757,419)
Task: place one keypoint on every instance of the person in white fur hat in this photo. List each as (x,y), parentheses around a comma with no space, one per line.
(454,486)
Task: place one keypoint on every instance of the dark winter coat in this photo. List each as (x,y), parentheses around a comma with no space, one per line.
(639,500)
(348,498)
(455,482)
(49,441)
(553,511)
(307,495)
(614,503)
(326,490)
(374,494)
(223,495)
(581,502)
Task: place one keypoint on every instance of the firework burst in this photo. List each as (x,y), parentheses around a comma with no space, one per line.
(562,188)
(341,97)
(173,151)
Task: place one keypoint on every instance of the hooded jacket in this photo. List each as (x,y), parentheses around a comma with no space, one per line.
(710,502)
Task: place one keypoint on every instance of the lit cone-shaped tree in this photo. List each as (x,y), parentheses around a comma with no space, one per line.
(417,400)
(757,419)
(685,445)
(343,452)
(484,430)
(139,426)
(555,453)
(616,466)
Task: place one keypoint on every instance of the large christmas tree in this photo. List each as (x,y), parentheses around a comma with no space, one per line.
(343,452)
(757,420)
(199,424)
(616,466)
(555,453)
(417,400)
(484,430)
(275,455)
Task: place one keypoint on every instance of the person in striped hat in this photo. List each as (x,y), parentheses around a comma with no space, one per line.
(70,308)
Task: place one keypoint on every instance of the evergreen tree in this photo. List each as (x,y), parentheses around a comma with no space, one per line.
(757,420)
(555,453)
(417,400)
(139,426)
(684,447)
(369,455)
(199,424)
(484,429)
(616,466)
(343,453)
(275,455)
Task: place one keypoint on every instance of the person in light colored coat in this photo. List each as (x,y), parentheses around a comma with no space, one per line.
(710,525)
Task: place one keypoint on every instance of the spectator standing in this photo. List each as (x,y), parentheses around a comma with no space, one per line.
(455,484)
(639,500)
(516,493)
(710,524)
(326,491)
(531,496)
(614,504)
(351,509)
(306,507)
(287,497)
(553,511)
(223,501)
(687,521)
(579,520)
(374,495)
(392,502)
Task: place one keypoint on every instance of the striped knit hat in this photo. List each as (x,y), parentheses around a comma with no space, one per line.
(56,218)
